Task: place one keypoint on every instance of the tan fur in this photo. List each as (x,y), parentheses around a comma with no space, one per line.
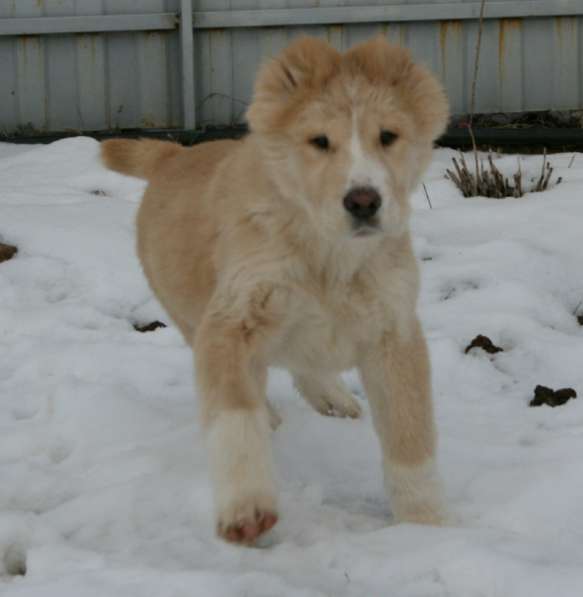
(249,248)
(137,158)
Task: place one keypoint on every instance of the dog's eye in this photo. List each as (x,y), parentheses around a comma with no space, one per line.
(321,142)
(387,138)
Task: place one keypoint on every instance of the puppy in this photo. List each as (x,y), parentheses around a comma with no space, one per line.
(291,248)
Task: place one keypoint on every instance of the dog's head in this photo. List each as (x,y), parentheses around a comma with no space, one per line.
(347,136)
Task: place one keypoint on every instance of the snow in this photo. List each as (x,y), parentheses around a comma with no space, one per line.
(104,490)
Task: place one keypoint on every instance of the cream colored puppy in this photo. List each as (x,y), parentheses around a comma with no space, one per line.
(292,248)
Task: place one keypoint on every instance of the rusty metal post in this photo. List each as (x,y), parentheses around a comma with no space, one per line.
(187,50)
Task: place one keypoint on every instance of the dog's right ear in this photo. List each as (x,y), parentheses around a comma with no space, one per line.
(283,82)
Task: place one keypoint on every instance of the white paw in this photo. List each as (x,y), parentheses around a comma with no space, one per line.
(244,520)
(429,512)
(416,494)
(241,467)
(338,403)
(328,396)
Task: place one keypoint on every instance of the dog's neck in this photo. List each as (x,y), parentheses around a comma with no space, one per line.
(337,263)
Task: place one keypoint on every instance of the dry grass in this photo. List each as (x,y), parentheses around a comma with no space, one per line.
(488,181)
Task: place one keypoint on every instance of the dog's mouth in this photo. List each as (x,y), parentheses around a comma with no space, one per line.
(363,228)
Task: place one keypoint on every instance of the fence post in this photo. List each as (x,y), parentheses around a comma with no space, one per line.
(187,49)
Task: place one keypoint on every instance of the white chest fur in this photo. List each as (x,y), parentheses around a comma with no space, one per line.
(326,332)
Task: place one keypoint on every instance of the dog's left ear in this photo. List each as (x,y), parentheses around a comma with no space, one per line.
(420,91)
(306,65)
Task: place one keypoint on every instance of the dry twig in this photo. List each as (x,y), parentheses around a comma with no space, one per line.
(489,181)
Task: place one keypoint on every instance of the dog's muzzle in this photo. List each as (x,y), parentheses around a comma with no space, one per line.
(363,203)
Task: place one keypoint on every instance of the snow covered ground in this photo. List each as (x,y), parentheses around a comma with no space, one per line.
(103,482)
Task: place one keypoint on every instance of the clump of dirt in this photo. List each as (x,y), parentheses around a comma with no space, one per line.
(99,193)
(550,397)
(15,561)
(484,343)
(149,327)
(7,252)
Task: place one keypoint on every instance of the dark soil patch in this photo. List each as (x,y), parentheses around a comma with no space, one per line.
(580,319)
(15,561)
(7,252)
(149,327)
(99,193)
(555,131)
(519,120)
(484,343)
(544,395)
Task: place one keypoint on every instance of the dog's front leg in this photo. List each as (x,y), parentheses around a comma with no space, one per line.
(396,376)
(229,353)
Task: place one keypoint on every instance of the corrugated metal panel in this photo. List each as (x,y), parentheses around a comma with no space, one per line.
(133,79)
(90,80)
(242,15)
(526,64)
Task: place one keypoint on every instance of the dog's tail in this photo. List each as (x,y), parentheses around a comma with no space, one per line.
(137,157)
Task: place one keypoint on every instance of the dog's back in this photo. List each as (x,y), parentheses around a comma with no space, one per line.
(177,221)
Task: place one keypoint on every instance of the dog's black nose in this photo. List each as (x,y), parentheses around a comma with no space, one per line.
(362,202)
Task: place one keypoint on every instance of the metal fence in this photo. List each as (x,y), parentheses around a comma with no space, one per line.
(119,64)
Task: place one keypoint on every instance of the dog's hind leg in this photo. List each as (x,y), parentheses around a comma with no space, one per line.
(327,394)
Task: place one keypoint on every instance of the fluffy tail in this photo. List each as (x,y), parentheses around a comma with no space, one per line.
(136,157)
